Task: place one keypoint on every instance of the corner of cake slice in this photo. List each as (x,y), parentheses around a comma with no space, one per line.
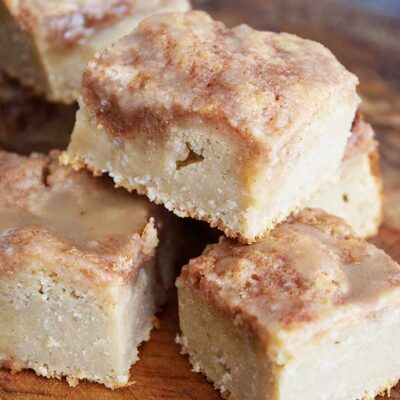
(47,44)
(236,127)
(354,193)
(82,271)
(310,312)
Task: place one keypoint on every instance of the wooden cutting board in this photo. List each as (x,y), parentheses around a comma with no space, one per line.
(367,44)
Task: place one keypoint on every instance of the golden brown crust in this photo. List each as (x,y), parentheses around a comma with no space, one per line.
(64,24)
(307,269)
(256,85)
(50,212)
(374,158)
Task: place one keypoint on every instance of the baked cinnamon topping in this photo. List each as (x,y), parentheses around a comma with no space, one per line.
(306,269)
(260,84)
(64,24)
(50,209)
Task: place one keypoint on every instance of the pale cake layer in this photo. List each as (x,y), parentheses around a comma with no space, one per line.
(28,123)
(83,269)
(354,193)
(236,127)
(47,45)
(60,328)
(311,310)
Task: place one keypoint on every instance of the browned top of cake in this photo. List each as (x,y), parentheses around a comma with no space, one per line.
(361,140)
(51,211)
(176,65)
(64,23)
(310,268)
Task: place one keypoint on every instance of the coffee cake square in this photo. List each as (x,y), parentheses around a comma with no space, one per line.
(310,312)
(236,127)
(83,269)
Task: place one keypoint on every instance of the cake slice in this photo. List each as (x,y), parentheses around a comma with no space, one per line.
(29,123)
(232,126)
(47,44)
(83,269)
(310,312)
(354,193)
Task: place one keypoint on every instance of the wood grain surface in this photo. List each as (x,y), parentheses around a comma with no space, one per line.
(368,45)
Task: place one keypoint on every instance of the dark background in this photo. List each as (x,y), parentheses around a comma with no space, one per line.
(388,7)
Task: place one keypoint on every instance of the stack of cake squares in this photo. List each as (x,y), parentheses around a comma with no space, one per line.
(255,133)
